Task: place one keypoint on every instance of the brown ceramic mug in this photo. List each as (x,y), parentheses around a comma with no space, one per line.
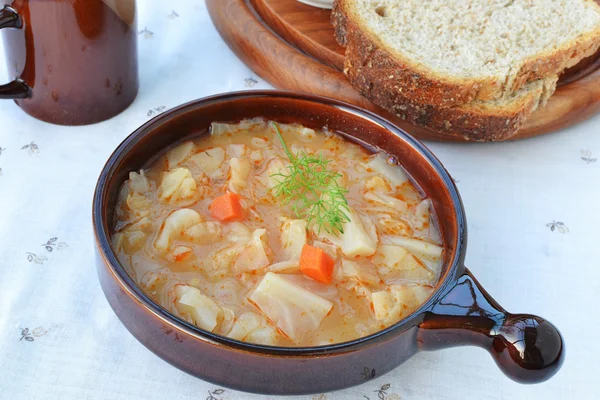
(527,348)
(74,62)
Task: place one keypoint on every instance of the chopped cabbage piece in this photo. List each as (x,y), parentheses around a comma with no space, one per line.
(132,237)
(359,237)
(138,183)
(251,327)
(272,175)
(421,217)
(244,324)
(236,150)
(420,248)
(181,253)
(220,128)
(330,249)
(383,304)
(238,233)
(203,233)
(204,312)
(186,224)
(210,161)
(288,267)
(239,171)
(393,226)
(254,255)
(139,204)
(223,258)
(378,184)
(260,141)
(364,273)
(177,185)
(256,156)
(267,336)
(179,154)
(395,262)
(296,311)
(410,297)
(293,237)
(394,173)
(397,205)
(306,134)
(399,302)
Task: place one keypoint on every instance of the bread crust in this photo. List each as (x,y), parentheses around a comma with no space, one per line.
(476,121)
(430,88)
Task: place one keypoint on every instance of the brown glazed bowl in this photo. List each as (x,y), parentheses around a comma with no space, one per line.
(460,312)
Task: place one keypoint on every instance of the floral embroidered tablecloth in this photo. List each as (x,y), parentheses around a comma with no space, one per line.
(533,213)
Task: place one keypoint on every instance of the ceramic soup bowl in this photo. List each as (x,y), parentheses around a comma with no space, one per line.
(460,312)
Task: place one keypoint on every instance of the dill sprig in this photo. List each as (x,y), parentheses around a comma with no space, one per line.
(313,190)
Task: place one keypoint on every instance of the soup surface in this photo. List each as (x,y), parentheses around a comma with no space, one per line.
(278,235)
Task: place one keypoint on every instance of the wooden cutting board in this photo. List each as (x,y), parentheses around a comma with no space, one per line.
(291,45)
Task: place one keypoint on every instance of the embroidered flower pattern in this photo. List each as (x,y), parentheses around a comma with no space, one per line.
(382,393)
(155,111)
(558,226)
(368,374)
(586,155)
(30,336)
(212,394)
(31,148)
(250,82)
(34,258)
(147,33)
(51,244)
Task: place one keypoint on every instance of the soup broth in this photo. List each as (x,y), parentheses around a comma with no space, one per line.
(278,235)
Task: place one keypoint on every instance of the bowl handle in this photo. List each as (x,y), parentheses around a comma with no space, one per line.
(527,348)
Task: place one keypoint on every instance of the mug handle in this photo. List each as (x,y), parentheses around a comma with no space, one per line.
(16,89)
(527,348)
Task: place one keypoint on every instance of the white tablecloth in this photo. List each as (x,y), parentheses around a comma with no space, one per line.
(533,216)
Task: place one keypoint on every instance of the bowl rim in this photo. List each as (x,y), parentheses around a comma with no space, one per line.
(104,246)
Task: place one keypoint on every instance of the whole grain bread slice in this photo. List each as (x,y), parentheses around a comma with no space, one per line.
(418,48)
(492,120)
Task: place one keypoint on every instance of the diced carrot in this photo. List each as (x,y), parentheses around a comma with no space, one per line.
(316,264)
(227,207)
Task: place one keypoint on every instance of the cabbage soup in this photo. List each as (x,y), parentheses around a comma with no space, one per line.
(278,235)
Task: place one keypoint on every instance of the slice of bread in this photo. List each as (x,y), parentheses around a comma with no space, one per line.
(479,120)
(451,52)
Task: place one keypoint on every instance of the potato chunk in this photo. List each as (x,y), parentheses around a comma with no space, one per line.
(179,154)
(293,237)
(204,312)
(296,311)
(177,185)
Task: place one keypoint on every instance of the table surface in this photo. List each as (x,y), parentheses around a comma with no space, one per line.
(533,217)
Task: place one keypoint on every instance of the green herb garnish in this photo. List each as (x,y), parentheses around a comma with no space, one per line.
(313,191)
